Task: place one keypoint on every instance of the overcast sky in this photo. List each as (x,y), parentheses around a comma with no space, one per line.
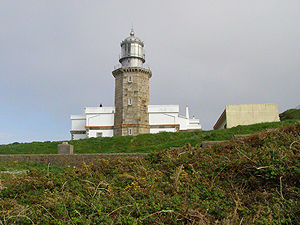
(56,58)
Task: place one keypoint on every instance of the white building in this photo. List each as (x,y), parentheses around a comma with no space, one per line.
(132,114)
(99,121)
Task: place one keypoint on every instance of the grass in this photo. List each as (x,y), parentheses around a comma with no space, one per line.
(290,114)
(245,181)
(140,143)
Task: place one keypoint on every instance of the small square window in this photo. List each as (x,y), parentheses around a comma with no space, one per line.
(130,79)
(99,134)
(129,101)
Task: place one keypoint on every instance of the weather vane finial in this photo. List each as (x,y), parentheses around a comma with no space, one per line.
(132,31)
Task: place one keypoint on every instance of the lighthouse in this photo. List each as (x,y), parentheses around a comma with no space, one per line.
(131,89)
(132,114)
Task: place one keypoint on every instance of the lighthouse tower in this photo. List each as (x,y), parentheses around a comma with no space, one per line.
(131,90)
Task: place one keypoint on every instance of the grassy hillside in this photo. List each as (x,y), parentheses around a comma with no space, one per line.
(250,181)
(140,143)
(290,114)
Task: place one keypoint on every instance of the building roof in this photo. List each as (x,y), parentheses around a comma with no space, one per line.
(132,39)
(220,118)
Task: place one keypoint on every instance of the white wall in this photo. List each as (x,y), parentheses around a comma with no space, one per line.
(78,122)
(163,114)
(104,116)
(193,124)
(157,130)
(105,133)
(79,136)
(93,117)
(99,116)
(169,114)
(162,118)
(100,120)
(183,122)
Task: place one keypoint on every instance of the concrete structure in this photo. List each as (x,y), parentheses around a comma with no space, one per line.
(65,148)
(132,114)
(235,115)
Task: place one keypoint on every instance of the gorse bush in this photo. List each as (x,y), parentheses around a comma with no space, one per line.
(254,180)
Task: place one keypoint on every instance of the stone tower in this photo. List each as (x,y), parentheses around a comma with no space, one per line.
(131,89)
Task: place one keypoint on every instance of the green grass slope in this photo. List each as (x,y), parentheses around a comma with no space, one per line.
(290,114)
(245,181)
(140,143)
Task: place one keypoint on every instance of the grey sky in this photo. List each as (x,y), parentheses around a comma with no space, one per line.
(56,58)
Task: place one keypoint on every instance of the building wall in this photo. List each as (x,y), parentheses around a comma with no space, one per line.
(251,114)
(78,127)
(158,130)
(99,121)
(105,133)
(78,122)
(166,118)
(184,122)
(163,114)
(162,118)
(193,124)
(78,136)
(99,115)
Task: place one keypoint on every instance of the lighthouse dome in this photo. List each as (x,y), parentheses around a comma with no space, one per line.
(132,53)
(132,39)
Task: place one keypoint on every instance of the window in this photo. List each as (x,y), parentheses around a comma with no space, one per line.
(99,134)
(129,79)
(130,131)
(129,101)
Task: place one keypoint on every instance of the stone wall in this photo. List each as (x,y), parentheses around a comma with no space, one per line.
(131,100)
(67,160)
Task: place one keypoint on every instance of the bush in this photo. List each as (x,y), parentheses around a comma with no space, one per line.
(254,180)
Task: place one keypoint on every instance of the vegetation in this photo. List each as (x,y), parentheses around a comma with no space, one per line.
(291,114)
(140,143)
(254,180)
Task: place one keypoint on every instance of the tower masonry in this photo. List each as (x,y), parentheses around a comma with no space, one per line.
(131,90)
